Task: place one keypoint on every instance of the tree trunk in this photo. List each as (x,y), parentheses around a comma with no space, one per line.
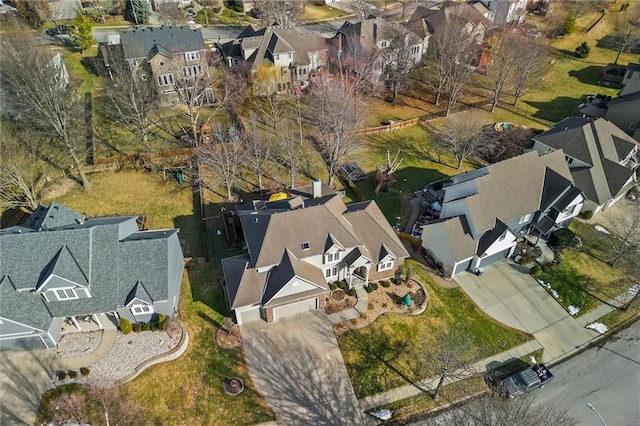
(228,192)
(459,159)
(436,393)
(78,165)
(618,55)
(494,104)
(437,100)
(259,180)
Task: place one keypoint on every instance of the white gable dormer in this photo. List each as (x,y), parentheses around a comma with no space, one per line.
(296,285)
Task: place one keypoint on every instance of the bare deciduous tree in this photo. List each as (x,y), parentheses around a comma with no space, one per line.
(627,28)
(399,61)
(337,114)
(405,4)
(256,146)
(450,359)
(171,14)
(48,102)
(290,147)
(133,102)
(281,11)
(90,405)
(21,171)
(496,411)
(221,159)
(503,54)
(363,9)
(462,137)
(528,65)
(624,238)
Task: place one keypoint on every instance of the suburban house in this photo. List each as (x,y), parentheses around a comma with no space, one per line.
(624,112)
(298,245)
(601,157)
(427,20)
(502,12)
(168,55)
(60,272)
(279,58)
(479,216)
(632,74)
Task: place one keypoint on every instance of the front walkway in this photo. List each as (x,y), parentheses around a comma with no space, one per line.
(297,367)
(352,313)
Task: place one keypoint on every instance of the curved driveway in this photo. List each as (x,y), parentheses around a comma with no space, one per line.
(506,292)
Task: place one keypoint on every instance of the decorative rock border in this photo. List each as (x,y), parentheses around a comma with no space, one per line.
(174,353)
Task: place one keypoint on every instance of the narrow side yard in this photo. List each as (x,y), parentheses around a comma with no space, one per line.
(387,353)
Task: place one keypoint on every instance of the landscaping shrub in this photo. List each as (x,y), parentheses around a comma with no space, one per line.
(84,371)
(145,326)
(73,374)
(583,50)
(385,284)
(343,285)
(61,375)
(368,289)
(137,327)
(536,271)
(409,272)
(161,319)
(563,237)
(125,326)
(526,258)
(588,214)
(548,267)
(370,306)
(333,286)
(352,292)
(569,25)
(374,286)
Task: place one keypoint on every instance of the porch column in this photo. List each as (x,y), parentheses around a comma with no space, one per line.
(95,316)
(73,320)
(350,277)
(366,278)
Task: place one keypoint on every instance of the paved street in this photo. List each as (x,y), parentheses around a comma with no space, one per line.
(509,294)
(607,376)
(297,367)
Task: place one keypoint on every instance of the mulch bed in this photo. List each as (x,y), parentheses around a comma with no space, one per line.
(384,300)
(228,337)
(339,301)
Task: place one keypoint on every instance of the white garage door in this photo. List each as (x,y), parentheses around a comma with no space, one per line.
(252,314)
(295,308)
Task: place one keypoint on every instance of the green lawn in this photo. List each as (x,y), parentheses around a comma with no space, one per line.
(385,354)
(314,12)
(419,167)
(191,386)
(569,79)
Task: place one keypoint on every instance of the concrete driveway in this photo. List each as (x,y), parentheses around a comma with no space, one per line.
(23,376)
(297,367)
(509,294)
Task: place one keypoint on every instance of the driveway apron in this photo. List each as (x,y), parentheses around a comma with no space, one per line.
(297,367)
(507,293)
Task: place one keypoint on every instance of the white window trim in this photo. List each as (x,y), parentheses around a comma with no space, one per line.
(385,266)
(143,309)
(525,218)
(66,295)
(192,56)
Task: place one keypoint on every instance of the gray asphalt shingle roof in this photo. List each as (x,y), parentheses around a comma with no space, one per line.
(138,42)
(106,255)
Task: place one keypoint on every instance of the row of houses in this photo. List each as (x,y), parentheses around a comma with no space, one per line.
(287,56)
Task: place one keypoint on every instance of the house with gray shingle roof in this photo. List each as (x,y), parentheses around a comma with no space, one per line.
(482,214)
(60,270)
(171,56)
(280,58)
(601,157)
(297,246)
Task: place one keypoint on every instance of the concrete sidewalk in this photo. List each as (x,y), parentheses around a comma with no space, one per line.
(479,367)
(106,342)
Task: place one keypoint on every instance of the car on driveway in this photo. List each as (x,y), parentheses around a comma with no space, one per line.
(58,30)
(520,382)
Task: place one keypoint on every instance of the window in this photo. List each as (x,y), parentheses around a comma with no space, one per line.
(385,266)
(415,49)
(331,272)
(502,237)
(235,61)
(161,63)
(141,309)
(336,256)
(569,160)
(525,218)
(143,77)
(165,80)
(384,43)
(192,71)
(328,258)
(306,245)
(192,56)
(66,294)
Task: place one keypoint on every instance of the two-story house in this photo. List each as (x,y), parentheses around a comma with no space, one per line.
(601,157)
(169,56)
(374,35)
(279,59)
(60,271)
(428,19)
(502,12)
(298,245)
(483,213)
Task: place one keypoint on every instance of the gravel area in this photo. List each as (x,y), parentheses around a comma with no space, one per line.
(127,353)
(78,344)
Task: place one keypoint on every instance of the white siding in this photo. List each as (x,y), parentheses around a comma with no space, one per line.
(463,189)
(500,245)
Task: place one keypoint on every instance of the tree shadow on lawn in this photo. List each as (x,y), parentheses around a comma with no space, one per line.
(557,109)
(592,75)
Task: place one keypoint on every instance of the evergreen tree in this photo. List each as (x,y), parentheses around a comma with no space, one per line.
(137,11)
(583,50)
(81,35)
(570,22)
